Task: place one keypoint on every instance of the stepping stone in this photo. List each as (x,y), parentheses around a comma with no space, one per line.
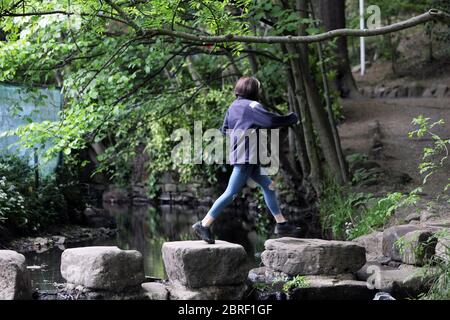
(196,264)
(15,281)
(293,256)
(103,268)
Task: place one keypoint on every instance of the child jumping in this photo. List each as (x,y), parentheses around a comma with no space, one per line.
(246,113)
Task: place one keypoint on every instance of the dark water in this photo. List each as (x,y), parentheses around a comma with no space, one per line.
(145,229)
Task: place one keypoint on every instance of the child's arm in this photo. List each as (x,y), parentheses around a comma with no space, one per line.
(265,119)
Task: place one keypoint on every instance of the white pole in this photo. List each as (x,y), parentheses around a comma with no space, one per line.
(363,45)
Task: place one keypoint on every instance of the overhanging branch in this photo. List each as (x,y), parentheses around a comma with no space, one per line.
(431,15)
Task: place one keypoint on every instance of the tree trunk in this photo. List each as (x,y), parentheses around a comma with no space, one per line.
(337,140)
(332,14)
(318,112)
(302,107)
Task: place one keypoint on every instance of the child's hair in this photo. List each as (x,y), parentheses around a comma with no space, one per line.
(247,87)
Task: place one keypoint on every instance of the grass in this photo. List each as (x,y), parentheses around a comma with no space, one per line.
(347,215)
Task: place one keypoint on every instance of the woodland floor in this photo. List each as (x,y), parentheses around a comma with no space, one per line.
(399,153)
(394,116)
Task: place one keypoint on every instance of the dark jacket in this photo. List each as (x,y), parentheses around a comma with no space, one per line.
(242,121)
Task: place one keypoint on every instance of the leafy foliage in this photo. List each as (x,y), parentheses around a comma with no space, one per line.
(25,207)
(125,90)
(296,282)
(436,156)
(348,215)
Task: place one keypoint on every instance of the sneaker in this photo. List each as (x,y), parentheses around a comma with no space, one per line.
(203,232)
(287,230)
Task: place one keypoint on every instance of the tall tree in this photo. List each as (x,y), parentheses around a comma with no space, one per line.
(332,15)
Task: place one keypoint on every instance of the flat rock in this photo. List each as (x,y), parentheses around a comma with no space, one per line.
(402,282)
(231,292)
(437,223)
(293,256)
(102,268)
(15,281)
(372,243)
(196,264)
(332,288)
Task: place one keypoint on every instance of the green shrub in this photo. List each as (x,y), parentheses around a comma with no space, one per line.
(24,206)
(348,215)
(337,208)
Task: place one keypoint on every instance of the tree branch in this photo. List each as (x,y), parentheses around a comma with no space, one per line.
(431,15)
(124,16)
(66,13)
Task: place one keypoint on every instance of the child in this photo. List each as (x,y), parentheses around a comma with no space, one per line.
(245,114)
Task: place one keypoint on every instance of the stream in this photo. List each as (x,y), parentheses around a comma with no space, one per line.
(145,228)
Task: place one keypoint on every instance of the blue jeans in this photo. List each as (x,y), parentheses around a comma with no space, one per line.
(238,179)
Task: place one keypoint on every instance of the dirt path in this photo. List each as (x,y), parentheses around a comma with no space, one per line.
(395,116)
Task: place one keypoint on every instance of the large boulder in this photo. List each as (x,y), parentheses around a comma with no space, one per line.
(293,256)
(102,268)
(15,283)
(411,244)
(372,243)
(196,264)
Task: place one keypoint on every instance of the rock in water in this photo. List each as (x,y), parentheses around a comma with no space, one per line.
(102,268)
(293,256)
(15,281)
(196,264)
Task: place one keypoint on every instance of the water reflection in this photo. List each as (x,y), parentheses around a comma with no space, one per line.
(146,228)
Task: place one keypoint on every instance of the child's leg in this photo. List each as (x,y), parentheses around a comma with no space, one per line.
(270,196)
(237,181)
